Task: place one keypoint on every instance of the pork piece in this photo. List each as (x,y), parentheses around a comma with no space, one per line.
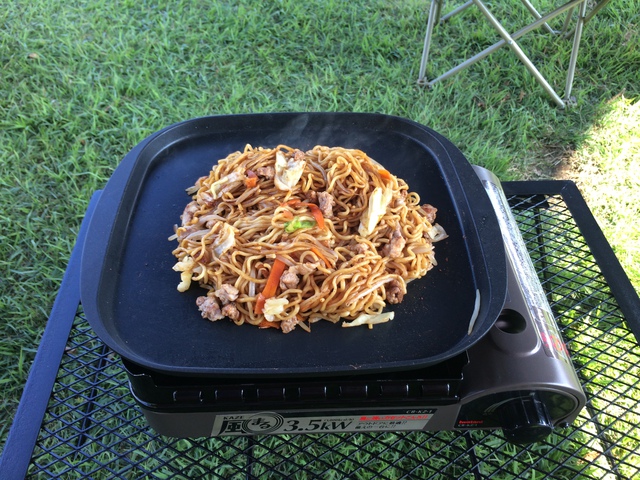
(189,211)
(393,249)
(227,293)
(266,172)
(289,279)
(201,180)
(209,308)
(186,231)
(210,223)
(261,270)
(358,248)
(196,187)
(304,268)
(203,256)
(230,310)
(326,203)
(329,242)
(207,199)
(430,212)
(288,325)
(311,196)
(400,199)
(298,155)
(395,292)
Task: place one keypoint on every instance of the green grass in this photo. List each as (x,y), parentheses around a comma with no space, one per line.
(82,82)
(606,167)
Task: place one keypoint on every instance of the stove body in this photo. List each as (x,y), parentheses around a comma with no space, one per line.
(518,377)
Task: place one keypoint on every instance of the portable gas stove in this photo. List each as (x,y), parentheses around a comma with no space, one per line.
(518,377)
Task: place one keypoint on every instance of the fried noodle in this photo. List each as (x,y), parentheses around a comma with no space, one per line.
(335,234)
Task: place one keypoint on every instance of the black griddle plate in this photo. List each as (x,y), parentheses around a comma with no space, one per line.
(129,288)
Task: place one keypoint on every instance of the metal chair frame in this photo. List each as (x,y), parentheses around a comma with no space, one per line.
(509,40)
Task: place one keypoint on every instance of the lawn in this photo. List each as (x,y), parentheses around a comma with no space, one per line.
(81,83)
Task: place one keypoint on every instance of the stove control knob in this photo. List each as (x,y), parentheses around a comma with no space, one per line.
(525,420)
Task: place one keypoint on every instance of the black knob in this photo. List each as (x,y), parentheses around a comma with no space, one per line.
(525,420)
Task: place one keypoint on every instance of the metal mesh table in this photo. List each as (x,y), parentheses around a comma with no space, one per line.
(77,418)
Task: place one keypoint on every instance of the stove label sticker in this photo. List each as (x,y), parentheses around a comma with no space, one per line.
(262,423)
(550,335)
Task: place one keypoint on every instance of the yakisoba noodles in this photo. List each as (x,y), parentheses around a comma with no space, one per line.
(281,237)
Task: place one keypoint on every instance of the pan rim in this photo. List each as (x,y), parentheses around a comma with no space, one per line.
(120,179)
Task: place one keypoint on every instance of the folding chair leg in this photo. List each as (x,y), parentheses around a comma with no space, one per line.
(599,6)
(510,41)
(574,52)
(533,11)
(567,22)
(434,17)
(455,11)
(519,53)
(489,50)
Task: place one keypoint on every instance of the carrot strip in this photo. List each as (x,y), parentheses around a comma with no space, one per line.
(321,256)
(384,174)
(251,182)
(274,278)
(259,304)
(290,203)
(317,214)
(277,269)
(267,324)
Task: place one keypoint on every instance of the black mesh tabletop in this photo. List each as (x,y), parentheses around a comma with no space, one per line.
(77,418)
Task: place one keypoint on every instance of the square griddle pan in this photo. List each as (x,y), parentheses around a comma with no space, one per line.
(128,286)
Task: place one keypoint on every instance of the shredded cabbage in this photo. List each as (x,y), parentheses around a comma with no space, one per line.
(371,320)
(225,183)
(273,306)
(287,172)
(225,240)
(437,233)
(376,208)
(185,267)
(476,311)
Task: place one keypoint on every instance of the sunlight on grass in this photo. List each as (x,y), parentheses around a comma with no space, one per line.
(607,171)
